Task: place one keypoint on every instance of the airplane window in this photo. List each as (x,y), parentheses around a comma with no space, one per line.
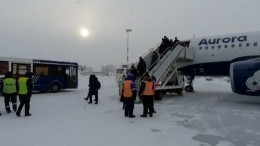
(212,47)
(233,45)
(247,44)
(226,46)
(255,43)
(206,47)
(240,45)
(219,46)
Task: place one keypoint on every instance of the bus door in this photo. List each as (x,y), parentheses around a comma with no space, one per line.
(71,79)
(20,68)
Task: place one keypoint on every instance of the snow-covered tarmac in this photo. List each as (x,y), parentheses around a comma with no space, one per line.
(211,116)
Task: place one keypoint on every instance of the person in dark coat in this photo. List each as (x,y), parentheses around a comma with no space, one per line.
(171,43)
(164,46)
(175,42)
(154,59)
(146,93)
(25,88)
(133,71)
(166,42)
(141,67)
(94,86)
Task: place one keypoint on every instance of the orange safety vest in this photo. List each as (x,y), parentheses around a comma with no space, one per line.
(127,89)
(149,89)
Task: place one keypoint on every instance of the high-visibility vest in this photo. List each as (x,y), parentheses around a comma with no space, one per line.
(127,89)
(22,85)
(149,89)
(9,85)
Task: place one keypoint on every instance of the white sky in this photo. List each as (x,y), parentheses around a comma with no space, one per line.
(49,29)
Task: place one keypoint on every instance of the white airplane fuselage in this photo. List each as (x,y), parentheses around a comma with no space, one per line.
(213,55)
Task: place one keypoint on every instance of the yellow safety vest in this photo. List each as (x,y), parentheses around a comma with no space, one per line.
(9,85)
(22,85)
(127,89)
(149,89)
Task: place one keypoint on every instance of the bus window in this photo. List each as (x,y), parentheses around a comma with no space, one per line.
(71,77)
(55,70)
(3,67)
(41,69)
(20,68)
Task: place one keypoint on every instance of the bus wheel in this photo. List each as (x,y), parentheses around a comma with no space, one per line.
(55,87)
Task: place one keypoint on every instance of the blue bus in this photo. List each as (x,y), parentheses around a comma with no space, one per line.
(49,76)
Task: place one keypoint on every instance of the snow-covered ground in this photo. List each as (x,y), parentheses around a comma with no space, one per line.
(211,116)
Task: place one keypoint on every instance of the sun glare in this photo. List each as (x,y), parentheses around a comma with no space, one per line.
(84,32)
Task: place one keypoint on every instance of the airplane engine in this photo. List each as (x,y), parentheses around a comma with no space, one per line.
(245,77)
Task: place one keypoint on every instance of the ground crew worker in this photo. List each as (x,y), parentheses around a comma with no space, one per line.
(129,96)
(9,91)
(25,88)
(146,93)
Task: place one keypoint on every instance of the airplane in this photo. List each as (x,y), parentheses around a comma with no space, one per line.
(233,55)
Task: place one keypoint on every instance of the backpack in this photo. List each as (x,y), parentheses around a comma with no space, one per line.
(98,84)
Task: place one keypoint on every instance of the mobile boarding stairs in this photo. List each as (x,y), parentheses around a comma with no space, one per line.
(168,79)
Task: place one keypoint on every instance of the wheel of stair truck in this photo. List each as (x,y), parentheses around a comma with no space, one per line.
(159,95)
(55,87)
(189,88)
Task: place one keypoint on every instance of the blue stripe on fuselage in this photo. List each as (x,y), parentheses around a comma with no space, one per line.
(212,68)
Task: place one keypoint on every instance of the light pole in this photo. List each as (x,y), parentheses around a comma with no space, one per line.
(127,32)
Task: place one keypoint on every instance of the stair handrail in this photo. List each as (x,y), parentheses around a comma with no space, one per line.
(169,64)
(165,56)
(151,49)
(158,60)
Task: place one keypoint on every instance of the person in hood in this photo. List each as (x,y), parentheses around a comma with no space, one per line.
(129,95)
(94,86)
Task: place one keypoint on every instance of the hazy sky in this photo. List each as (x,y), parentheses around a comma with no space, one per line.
(50,29)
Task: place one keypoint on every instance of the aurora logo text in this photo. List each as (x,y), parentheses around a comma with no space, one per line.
(223,40)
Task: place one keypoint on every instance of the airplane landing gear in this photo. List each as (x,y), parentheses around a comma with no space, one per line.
(189,87)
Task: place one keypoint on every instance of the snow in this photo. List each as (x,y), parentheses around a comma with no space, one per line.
(211,116)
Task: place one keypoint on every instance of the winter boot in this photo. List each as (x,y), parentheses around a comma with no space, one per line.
(131,115)
(18,114)
(8,110)
(26,115)
(143,116)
